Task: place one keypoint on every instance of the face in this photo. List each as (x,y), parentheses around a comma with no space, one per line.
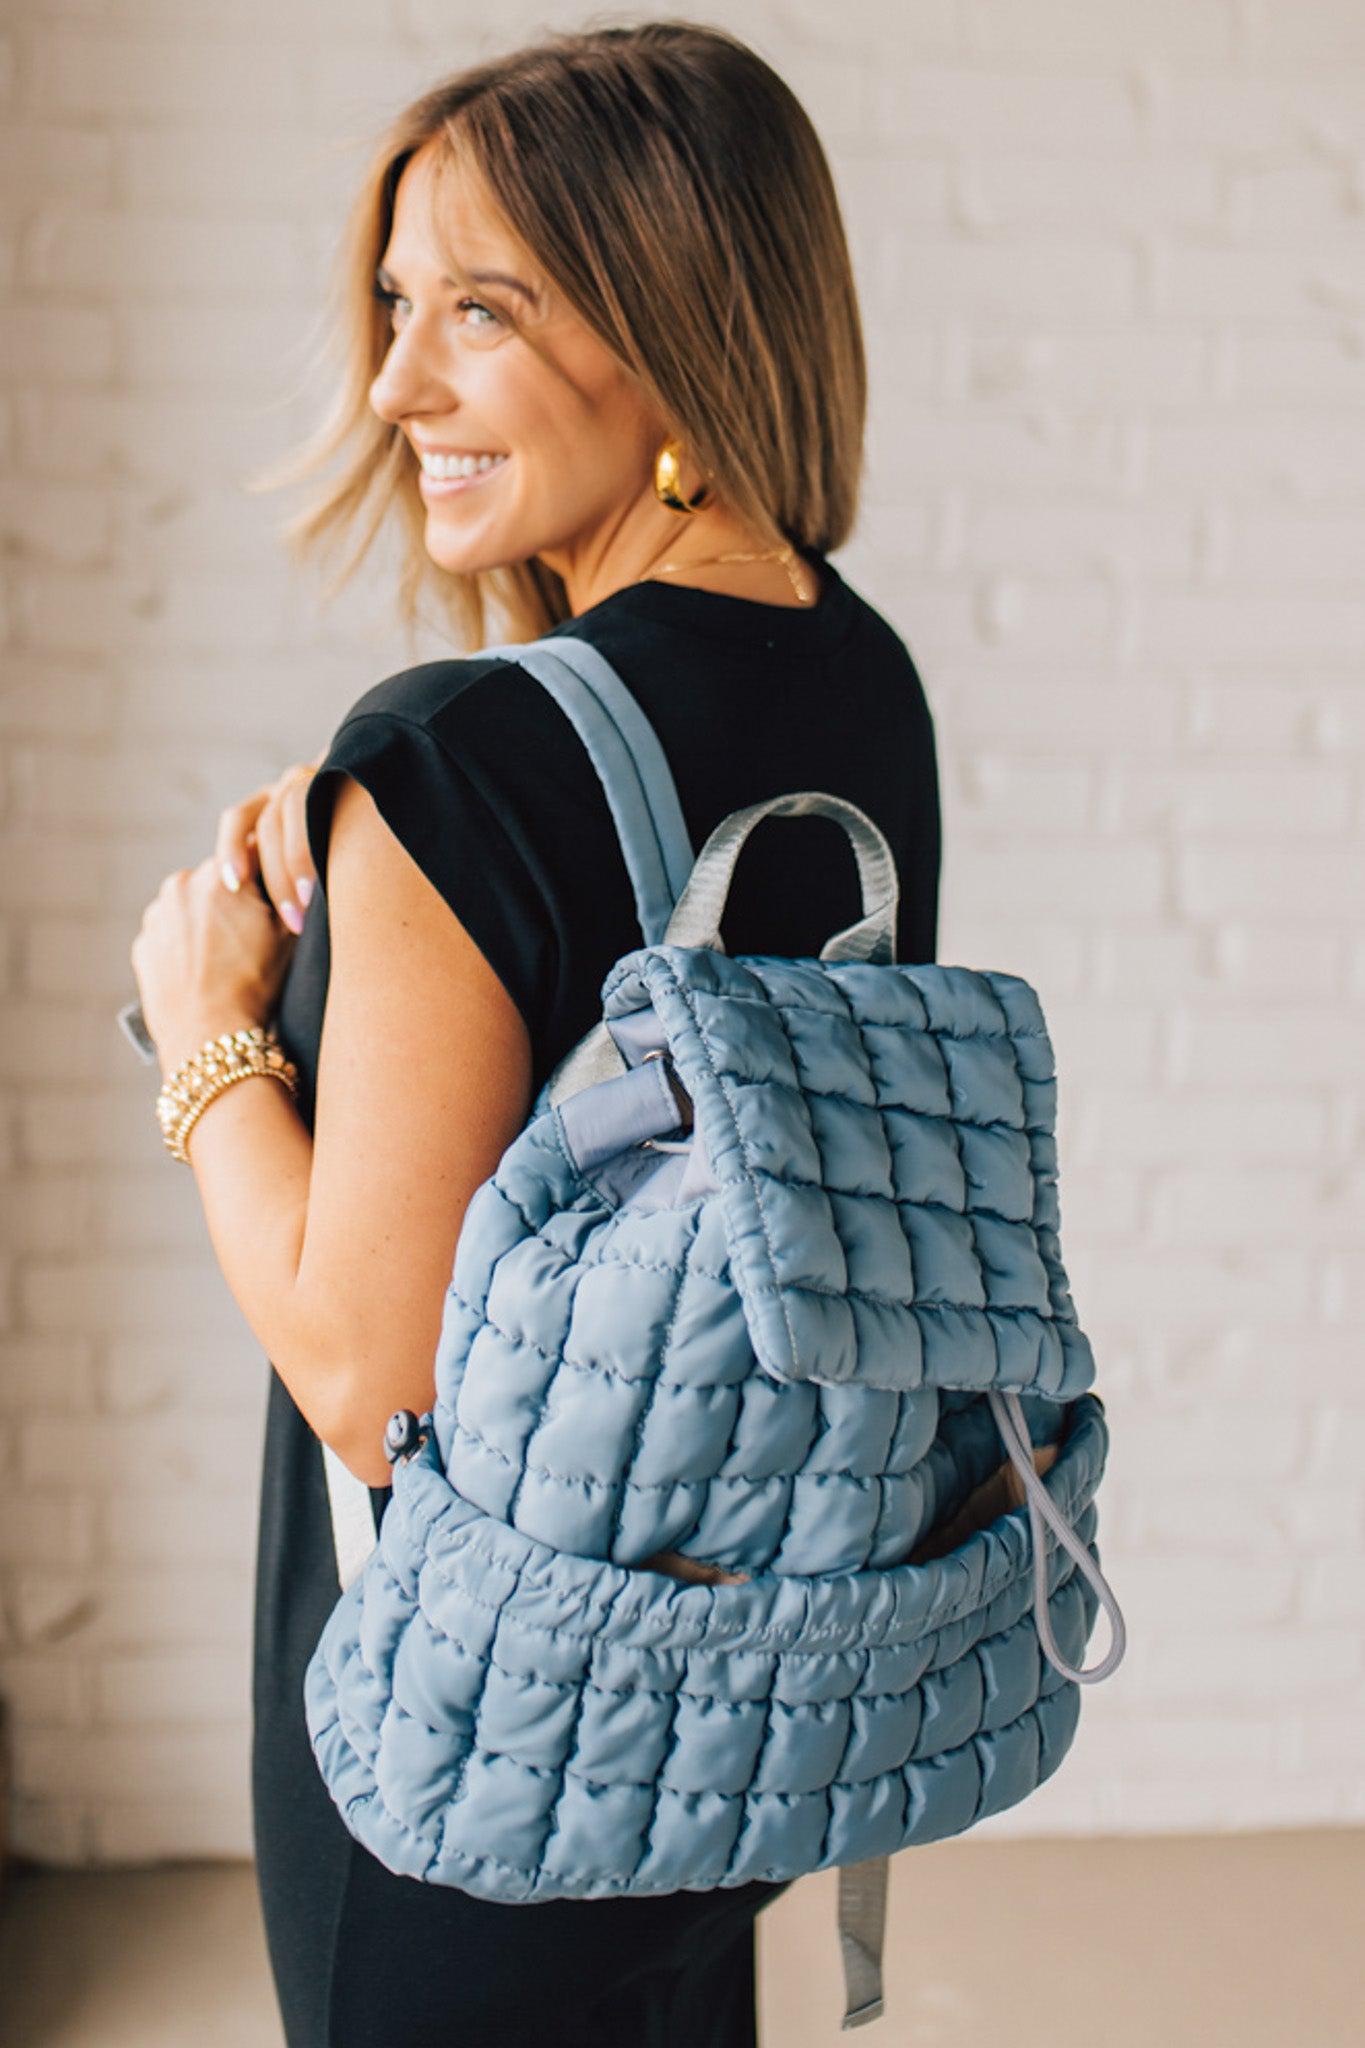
(497,366)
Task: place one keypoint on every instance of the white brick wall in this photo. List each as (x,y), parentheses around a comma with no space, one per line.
(1112,260)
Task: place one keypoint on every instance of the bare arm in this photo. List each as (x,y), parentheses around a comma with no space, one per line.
(338,1248)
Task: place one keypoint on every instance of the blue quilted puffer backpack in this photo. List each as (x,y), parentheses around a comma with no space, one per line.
(706,1567)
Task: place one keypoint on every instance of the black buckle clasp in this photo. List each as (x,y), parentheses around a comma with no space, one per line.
(403,1435)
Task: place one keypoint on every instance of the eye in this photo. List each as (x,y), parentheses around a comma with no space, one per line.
(392,299)
(385,297)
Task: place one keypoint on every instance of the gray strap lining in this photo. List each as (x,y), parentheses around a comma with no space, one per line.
(862,1931)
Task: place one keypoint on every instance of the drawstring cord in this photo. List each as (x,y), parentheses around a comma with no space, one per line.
(1009,1418)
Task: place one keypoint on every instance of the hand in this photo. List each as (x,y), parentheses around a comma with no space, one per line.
(267,834)
(997,1495)
(206,960)
(695,1571)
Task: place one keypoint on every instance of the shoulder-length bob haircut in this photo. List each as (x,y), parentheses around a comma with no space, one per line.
(674,191)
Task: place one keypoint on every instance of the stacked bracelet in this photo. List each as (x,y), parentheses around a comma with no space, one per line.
(199,1080)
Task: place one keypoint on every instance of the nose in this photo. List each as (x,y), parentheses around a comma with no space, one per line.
(407,380)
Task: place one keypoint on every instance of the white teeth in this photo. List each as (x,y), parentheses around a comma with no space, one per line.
(459,465)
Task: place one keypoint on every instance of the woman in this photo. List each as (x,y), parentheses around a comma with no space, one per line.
(614,385)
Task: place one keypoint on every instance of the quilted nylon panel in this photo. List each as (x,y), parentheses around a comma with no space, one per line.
(883,1136)
(885,1229)
(528,1724)
(785,1374)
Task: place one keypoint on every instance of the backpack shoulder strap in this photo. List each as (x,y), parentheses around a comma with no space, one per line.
(631,765)
(634,772)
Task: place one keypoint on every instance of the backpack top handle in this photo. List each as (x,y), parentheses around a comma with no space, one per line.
(872,937)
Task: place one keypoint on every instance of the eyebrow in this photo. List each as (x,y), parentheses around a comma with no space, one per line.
(389,282)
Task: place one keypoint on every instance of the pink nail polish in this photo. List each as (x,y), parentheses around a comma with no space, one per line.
(303,889)
(292,916)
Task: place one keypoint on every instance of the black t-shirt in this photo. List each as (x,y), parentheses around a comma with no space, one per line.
(483,778)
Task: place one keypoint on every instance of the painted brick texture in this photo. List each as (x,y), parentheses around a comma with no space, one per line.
(1113,269)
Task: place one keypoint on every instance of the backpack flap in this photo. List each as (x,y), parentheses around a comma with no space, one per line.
(882,1140)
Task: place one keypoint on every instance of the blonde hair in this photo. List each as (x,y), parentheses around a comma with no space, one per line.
(674,191)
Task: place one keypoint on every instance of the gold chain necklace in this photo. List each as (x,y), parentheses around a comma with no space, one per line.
(787,557)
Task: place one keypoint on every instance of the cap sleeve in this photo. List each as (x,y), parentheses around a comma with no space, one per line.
(436,808)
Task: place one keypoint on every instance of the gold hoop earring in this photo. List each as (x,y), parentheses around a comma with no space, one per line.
(667,478)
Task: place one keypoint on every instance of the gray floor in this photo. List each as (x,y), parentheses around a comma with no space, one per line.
(1234,1941)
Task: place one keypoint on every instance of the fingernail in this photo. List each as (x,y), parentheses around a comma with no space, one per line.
(292,915)
(231,876)
(303,889)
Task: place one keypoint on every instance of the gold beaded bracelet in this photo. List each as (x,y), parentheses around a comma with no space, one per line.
(199,1080)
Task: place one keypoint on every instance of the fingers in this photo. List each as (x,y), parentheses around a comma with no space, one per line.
(282,846)
(295,832)
(234,847)
(267,835)
(695,1570)
(275,876)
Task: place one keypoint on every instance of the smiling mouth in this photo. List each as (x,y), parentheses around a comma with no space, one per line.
(447,486)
